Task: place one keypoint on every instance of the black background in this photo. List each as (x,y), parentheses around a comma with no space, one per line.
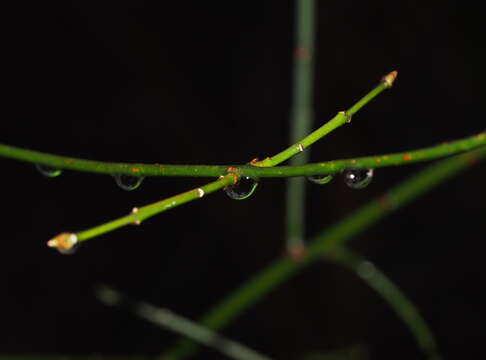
(210,83)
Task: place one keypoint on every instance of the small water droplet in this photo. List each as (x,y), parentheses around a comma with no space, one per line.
(320,179)
(128,182)
(242,189)
(48,171)
(358,178)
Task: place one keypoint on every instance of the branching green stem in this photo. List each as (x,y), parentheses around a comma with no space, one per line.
(397,300)
(340,119)
(335,236)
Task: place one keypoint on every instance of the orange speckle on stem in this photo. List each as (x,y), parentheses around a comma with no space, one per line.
(135,170)
(407,157)
(255,160)
(377,160)
(302,53)
(296,253)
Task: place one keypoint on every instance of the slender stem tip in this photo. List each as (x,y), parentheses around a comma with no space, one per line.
(389,79)
(63,241)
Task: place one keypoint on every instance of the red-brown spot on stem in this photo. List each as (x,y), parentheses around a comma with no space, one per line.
(385,203)
(297,253)
(302,53)
(135,170)
(407,157)
(255,160)
(377,160)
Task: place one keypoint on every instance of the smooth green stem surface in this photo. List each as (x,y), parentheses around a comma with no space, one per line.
(168,320)
(143,213)
(321,168)
(300,120)
(392,294)
(336,235)
(340,119)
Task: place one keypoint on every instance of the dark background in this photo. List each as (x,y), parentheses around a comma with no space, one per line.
(210,83)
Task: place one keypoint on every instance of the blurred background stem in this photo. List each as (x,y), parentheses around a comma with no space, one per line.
(300,121)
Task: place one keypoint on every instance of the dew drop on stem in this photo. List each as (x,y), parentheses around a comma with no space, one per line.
(320,179)
(128,182)
(358,178)
(242,189)
(48,171)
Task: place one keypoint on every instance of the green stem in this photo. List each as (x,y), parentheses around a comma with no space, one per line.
(322,168)
(301,121)
(61,241)
(169,320)
(337,235)
(340,119)
(397,300)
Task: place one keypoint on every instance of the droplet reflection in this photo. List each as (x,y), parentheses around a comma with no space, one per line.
(242,189)
(358,178)
(48,171)
(128,182)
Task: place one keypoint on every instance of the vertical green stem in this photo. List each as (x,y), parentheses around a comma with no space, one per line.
(301,119)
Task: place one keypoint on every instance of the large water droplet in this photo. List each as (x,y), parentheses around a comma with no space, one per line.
(320,179)
(242,189)
(48,171)
(128,182)
(358,178)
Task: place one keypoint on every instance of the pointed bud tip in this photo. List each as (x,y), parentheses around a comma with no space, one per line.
(63,241)
(389,79)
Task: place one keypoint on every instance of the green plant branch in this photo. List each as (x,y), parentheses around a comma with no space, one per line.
(397,300)
(168,320)
(321,168)
(64,242)
(300,121)
(335,236)
(140,169)
(340,119)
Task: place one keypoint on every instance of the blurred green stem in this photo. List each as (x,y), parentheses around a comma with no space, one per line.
(335,236)
(168,320)
(300,121)
(397,300)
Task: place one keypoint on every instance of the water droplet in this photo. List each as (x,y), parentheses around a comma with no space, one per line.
(48,171)
(128,182)
(358,178)
(320,179)
(242,189)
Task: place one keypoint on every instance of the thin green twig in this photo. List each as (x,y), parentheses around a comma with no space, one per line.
(335,236)
(64,242)
(140,169)
(340,119)
(300,121)
(392,294)
(321,168)
(168,320)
